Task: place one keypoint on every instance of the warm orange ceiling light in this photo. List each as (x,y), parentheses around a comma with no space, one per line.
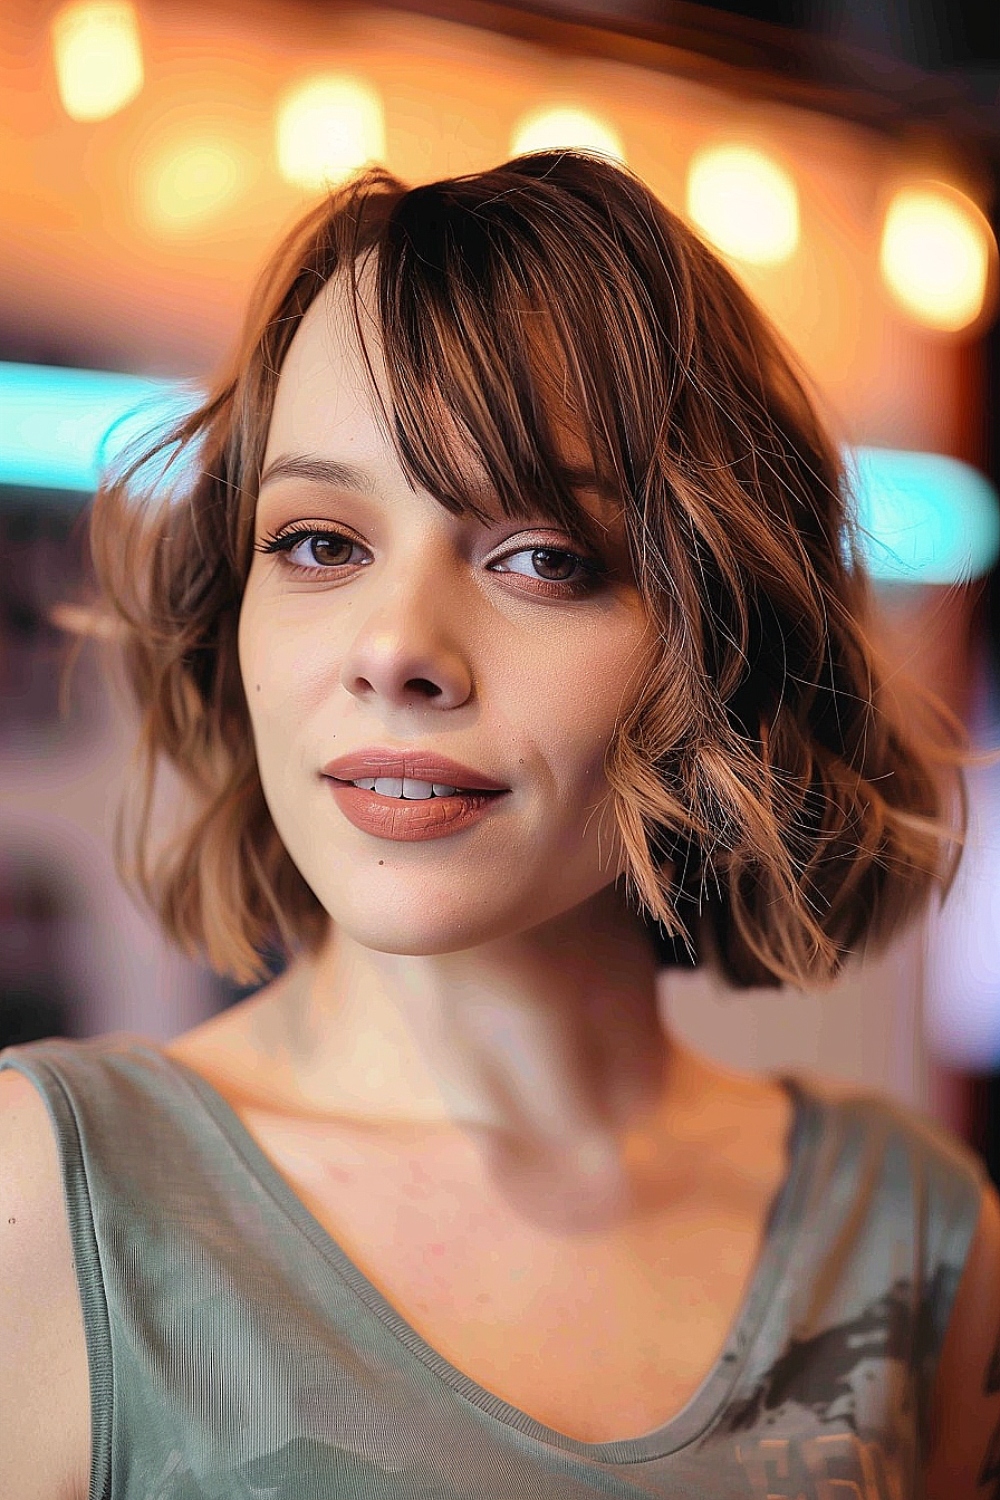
(554,128)
(936,253)
(326,128)
(98,57)
(191,182)
(745,203)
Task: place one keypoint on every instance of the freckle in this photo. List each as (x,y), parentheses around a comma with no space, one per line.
(483,1297)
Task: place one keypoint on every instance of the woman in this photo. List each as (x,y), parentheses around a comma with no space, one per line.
(513,513)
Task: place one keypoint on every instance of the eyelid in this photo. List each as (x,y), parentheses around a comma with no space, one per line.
(564,541)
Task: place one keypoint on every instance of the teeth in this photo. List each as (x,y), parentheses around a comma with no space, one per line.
(391,786)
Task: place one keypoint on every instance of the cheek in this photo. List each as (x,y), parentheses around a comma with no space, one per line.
(266,656)
(264,681)
(579,719)
(247,656)
(289,671)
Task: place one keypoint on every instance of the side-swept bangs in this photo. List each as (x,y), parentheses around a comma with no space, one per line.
(774,809)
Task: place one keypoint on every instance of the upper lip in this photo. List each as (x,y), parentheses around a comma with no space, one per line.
(416,765)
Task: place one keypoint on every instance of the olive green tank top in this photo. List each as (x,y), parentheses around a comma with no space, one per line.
(235,1350)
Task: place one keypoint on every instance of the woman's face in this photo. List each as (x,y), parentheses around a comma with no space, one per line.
(423,631)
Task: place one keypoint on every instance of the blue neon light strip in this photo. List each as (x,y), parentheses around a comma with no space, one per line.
(928,518)
(59,427)
(925,518)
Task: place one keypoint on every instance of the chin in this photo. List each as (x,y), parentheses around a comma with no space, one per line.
(416,939)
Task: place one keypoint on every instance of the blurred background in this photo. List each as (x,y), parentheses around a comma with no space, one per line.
(842,156)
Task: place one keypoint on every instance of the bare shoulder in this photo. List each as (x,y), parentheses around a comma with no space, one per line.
(964,1438)
(43,1352)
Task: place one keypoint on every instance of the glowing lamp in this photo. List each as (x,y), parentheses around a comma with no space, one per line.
(326,129)
(553,129)
(744,203)
(98,57)
(935,255)
(191,183)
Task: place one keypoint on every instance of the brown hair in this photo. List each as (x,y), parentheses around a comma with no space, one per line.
(769,799)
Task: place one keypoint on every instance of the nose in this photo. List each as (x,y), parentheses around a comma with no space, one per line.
(409,648)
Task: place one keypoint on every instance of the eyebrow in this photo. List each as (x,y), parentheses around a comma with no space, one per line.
(347,476)
(319,471)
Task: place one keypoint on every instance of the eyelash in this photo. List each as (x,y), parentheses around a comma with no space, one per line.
(594,571)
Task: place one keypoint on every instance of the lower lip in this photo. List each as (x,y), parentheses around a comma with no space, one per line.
(410,821)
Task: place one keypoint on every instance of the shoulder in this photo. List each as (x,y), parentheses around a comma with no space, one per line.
(958,1212)
(34,1233)
(964,1436)
(919,1173)
(42,1337)
(892,1120)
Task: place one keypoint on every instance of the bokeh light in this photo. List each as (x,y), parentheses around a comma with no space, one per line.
(935,255)
(98,57)
(745,203)
(924,517)
(328,127)
(190,182)
(554,128)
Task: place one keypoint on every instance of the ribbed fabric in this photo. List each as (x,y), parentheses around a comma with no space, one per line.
(235,1351)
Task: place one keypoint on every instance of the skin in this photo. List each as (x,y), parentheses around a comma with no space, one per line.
(494,981)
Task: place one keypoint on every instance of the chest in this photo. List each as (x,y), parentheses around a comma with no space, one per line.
(599,1335)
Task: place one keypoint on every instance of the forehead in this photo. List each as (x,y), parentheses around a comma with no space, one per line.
(323,383)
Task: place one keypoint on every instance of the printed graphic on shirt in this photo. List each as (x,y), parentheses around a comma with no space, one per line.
(837,1413)
(827,1374)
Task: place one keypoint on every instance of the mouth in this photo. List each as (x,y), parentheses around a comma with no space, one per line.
(387,814)
(370,785)
(393,768)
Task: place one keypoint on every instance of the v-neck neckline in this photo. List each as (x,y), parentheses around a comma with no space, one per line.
(780,1230)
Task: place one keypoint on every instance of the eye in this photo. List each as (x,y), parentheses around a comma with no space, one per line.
(288,541)
(587,570)
(321,544)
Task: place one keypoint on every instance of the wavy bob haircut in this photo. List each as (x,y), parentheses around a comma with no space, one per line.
(777,809)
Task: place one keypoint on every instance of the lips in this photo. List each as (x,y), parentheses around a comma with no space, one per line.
(377,761)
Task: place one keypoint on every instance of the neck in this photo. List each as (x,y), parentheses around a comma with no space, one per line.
(547,1048)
